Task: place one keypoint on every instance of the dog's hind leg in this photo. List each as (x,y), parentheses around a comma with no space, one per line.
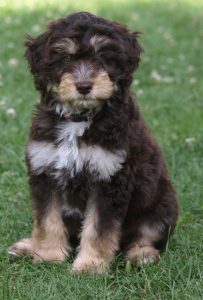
(141,249)
(149,222)
(146,235)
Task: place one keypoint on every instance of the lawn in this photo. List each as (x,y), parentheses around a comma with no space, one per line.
(169,88)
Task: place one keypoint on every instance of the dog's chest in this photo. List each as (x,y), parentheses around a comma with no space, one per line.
(67,154)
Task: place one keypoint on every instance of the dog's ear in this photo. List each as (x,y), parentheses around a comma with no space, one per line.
(131,46)
(133,50)
(36,55)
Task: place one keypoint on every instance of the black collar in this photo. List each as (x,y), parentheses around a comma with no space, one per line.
(84,116)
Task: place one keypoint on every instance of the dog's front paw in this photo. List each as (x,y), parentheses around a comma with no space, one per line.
(49,255)
(33,248)
(90,265)
(22,247)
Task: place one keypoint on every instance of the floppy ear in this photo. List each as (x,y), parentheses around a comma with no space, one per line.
(36,55)
(131,46)
(133,50)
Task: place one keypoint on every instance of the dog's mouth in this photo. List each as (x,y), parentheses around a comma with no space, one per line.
(84,102)
(85,98)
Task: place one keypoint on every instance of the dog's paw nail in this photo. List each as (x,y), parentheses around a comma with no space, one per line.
(149,260)
(12,252)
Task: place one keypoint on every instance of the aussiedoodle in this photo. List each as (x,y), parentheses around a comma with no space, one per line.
(96,175)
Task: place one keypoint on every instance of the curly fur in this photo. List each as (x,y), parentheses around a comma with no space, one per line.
(103,181)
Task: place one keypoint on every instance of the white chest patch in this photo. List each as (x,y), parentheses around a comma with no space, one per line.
(69,155)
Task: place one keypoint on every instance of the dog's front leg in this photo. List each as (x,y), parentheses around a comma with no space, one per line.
(48,241)
(100,234)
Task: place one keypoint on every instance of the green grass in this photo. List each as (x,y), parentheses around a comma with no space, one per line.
(173,33)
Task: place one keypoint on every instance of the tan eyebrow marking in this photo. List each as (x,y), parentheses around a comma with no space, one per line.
(67,45)
(98,41)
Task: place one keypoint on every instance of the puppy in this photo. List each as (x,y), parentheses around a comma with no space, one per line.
(95,172)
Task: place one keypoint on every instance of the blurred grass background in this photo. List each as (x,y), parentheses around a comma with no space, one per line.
(169,88)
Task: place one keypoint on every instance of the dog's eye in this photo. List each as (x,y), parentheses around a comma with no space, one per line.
(67,58)
(110,61)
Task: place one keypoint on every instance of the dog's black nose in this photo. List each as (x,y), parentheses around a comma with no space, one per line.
(84,87)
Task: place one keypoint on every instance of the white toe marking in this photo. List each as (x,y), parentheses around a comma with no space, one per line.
(11,252)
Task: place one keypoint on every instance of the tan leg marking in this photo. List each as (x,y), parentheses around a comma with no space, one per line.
(96,252)
(143,254)
(48,241)
(143,251)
